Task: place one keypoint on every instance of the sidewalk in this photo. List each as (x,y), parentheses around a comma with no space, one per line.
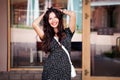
(27,75)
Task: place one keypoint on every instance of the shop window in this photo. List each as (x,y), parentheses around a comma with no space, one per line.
(25,45)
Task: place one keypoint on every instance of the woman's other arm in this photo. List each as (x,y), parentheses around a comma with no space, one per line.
(36,27)
(72,22)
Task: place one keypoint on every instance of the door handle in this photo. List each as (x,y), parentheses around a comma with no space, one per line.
(86,72)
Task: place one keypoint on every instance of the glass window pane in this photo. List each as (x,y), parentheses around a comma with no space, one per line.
(25,44)
(105,38)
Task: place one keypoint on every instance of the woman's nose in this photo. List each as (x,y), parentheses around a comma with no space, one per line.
(53,19)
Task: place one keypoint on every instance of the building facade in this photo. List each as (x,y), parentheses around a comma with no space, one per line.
(95,45)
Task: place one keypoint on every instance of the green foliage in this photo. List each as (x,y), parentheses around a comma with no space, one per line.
(109,54)
(114,53)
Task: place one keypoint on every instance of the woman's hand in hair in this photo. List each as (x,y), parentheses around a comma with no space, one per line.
(72,23)
(36,25)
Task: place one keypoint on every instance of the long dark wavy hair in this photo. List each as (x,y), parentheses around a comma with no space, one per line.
(49,31)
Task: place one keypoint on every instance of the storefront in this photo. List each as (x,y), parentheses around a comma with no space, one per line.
(95,44)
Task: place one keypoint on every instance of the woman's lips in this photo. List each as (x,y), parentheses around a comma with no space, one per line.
(55,23)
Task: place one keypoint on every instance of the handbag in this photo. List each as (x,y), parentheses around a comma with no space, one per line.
(73,72)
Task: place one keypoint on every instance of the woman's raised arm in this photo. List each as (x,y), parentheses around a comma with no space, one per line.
(36,27)
(72,22)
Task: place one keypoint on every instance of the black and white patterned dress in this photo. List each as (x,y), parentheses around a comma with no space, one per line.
(57,65)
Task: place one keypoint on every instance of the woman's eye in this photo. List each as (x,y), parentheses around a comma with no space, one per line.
(50,18)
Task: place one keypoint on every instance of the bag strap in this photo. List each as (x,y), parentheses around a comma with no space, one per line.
(64,49)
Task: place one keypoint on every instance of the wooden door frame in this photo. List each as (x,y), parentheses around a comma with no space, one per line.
(86,40)
(8,48)
(86,61)
(85,43)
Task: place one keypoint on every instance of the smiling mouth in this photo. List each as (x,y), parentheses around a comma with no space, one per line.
(54,24)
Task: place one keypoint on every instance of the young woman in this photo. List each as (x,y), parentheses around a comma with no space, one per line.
(57,65)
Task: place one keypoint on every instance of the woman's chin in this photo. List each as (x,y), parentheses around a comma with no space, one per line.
(55,26)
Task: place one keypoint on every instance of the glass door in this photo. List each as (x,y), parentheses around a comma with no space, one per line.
(103,41)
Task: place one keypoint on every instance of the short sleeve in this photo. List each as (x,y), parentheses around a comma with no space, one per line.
(68,32)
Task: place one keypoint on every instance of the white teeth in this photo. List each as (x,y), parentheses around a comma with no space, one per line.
(54,23)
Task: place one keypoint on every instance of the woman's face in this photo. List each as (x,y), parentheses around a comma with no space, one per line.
(53,20)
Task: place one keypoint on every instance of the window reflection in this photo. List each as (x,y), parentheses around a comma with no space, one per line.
(25,44)
(105,32)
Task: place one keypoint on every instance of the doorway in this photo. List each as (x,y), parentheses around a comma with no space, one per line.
(101,46)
